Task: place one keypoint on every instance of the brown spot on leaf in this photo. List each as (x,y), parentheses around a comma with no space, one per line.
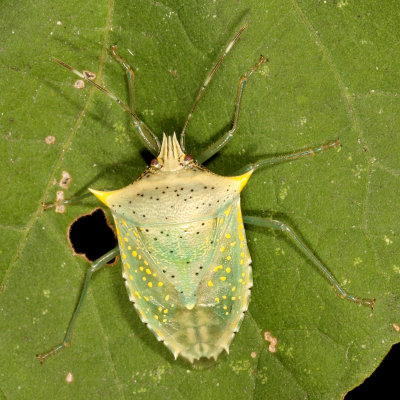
(60,208)
(79,84)
(50,139)
(273,341)
(69,378)
(65,180)
(89,75)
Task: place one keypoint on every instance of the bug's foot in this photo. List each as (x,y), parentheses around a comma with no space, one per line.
(41,357)
(52,352)
(47,206)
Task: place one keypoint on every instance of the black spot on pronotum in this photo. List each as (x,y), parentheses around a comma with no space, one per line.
(91,236)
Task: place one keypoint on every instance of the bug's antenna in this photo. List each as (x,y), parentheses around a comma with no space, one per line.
(207,81)
(137,122)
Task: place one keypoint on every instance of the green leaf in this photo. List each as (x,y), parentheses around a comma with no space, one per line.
(333,71)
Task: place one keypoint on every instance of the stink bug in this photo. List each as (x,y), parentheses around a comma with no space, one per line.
(180,229)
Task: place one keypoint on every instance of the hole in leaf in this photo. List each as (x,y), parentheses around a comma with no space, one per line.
(91,235)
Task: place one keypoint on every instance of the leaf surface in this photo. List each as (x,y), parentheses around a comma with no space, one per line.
(333,72)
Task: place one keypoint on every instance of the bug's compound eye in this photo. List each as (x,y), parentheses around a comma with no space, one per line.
(187,159)
(155,163)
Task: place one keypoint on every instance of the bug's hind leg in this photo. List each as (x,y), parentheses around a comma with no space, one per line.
(98,264)
(312,151)
(281,226)
(221,142)
(146,134)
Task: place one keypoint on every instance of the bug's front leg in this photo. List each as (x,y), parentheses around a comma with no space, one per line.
(72,200)
(98,264)
(310,152)
(60,202)
(228,136)
(281,226)
(149,139)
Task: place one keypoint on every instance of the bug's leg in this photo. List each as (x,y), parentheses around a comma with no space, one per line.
(206,82)
(136,121)
(98,264)
(72,200)
(281,226)
(312,151)
(221,142)
(146,134)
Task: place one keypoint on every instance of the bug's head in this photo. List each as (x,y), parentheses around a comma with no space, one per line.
(171,157)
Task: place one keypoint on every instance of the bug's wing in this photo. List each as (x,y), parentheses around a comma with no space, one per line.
(154,297)
(223,292)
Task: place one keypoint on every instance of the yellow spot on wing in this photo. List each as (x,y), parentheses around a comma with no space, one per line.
(160,284)
(210,283)
(223,278)
(134,253)
(150,284)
